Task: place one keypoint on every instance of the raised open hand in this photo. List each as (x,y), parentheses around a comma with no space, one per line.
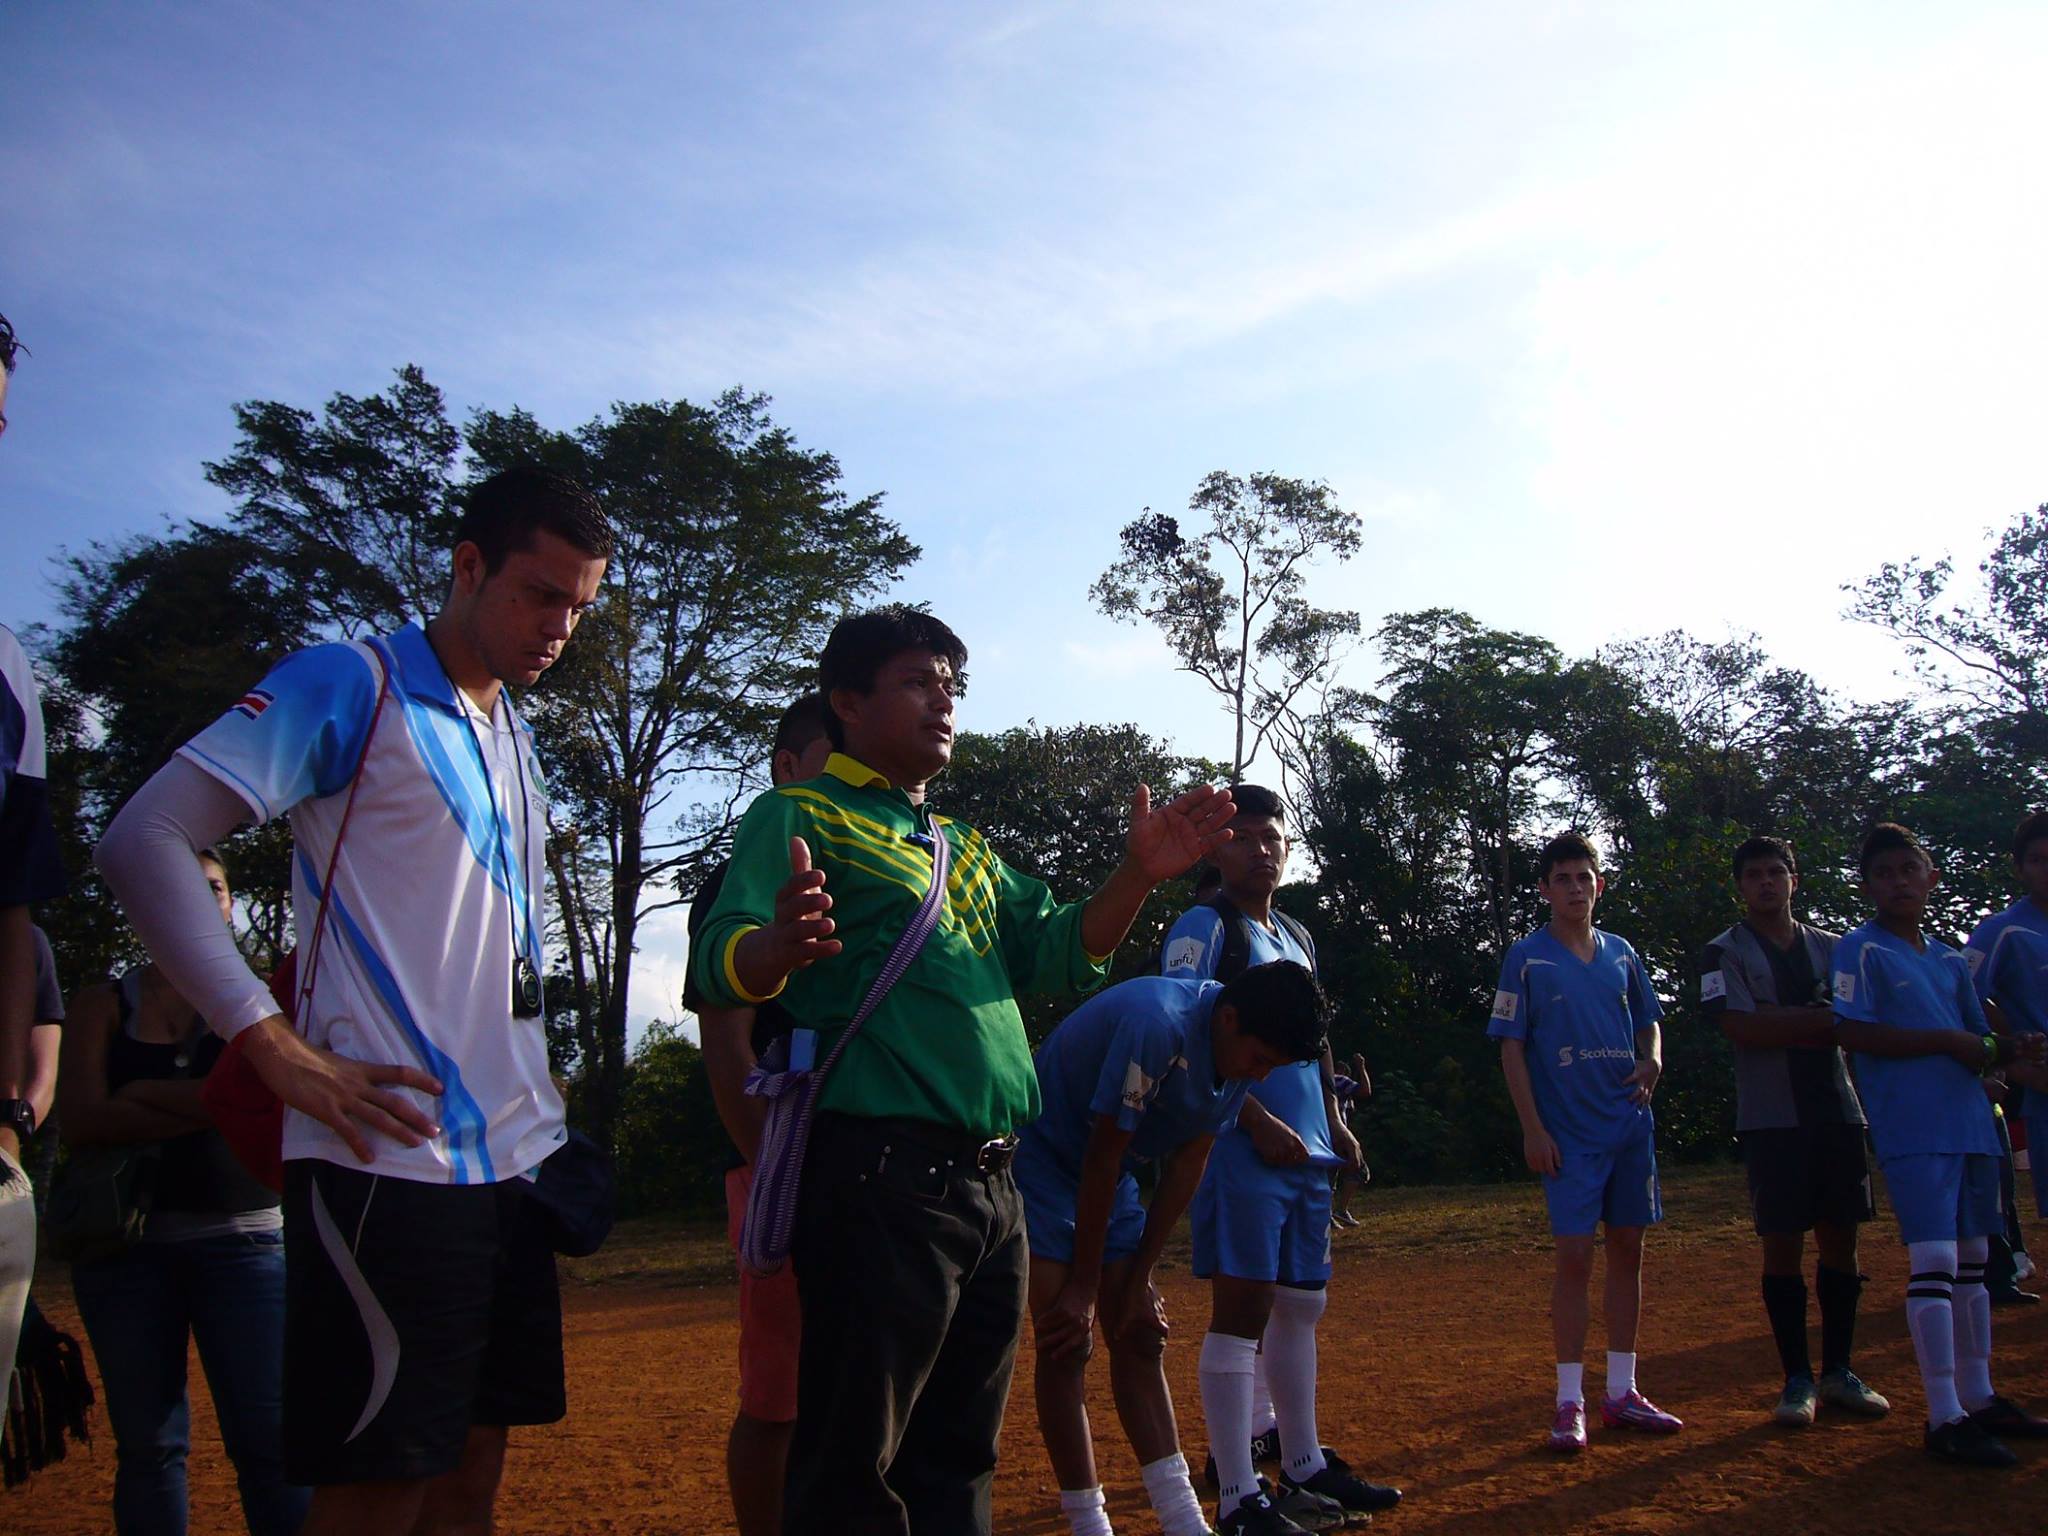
(1166,840)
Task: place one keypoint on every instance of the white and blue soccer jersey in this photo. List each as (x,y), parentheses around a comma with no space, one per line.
(1578,1020)
(435,890)
(2008,960)
(30,868)
(1140,1054)
(1293,1094)
(1916,1104)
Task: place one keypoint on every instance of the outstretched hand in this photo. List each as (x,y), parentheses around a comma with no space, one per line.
(800,935)
(1166,840)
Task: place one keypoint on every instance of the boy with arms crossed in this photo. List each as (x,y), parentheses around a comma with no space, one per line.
(909,1241)
(1262,1214)
(2008,960)
(1149,1071)
(1905,1004)
(1577,1023)
(1801,1126)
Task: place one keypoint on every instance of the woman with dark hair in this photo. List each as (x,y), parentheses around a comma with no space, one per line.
(209,1267)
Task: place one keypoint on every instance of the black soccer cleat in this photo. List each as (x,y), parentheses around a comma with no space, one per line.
(1337,1481)
(1968,1443)
(1256,1515)
(2005,1418)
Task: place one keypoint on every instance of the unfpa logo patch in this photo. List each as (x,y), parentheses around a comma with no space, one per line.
(1138,1088)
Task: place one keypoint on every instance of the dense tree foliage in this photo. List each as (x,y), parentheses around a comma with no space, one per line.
(1229,598)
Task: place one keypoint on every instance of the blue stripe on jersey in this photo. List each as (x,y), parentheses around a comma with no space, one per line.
(462,1119)
(455,768)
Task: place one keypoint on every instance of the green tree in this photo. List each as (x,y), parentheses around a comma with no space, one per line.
(1989,654)
(671,1149)
(354,510)
(1229,599)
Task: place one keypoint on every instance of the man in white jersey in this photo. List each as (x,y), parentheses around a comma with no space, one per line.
(422,1315)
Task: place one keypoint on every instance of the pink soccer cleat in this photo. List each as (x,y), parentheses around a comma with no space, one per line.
(1636,1411)
(1568,1429)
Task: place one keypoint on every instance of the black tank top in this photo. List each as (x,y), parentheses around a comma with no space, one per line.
(198,1173)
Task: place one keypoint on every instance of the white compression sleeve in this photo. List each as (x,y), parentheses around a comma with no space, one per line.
(149,859)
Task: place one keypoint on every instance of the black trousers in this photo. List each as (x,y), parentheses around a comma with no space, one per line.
(911,1271)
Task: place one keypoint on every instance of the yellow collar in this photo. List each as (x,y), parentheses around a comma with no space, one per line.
(853,771)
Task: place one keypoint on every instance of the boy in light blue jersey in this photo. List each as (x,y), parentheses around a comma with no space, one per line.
(1150,1071)
(1576,1018)
(1262,1214)
(2008,959)
(1905,1005)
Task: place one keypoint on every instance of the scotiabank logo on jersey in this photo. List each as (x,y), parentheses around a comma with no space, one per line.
(1566,1054)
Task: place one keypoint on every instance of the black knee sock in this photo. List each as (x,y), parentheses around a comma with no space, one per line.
(1838,1290)
(1785,1301)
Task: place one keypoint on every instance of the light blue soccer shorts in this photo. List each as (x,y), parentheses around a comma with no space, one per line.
(1617,1186)
(1049,1198)
(1263,1223)
(1940,1197)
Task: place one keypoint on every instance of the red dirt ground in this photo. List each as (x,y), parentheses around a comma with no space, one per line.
(1436,1375)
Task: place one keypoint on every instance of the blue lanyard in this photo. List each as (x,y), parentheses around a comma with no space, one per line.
(499,828)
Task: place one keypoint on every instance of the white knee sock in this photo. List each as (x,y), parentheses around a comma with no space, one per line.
(1086,1511)
(1226,1376)
(1972,1324)
(1262,1397)
(1291,1367)
(1621,1373)
(1930,1318)
(1173,1496)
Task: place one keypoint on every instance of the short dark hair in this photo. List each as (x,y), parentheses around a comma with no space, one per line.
(862,643)
(502,514)
(1761,847)
(1256,800)
(1280,1003)
(802,723)
(10,345)
(2032,828)
(1207,877)
(1884,838)
(1563,848)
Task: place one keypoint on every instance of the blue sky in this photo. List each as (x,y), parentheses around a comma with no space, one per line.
(1608,319)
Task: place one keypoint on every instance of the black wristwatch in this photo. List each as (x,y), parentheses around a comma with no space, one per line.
(18,1116)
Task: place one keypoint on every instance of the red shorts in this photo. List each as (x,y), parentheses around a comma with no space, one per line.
(770,1322)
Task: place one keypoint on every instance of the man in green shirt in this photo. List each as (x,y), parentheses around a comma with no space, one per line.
(909,1247)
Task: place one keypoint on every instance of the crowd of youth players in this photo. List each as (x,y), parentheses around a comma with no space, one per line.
(953,1183)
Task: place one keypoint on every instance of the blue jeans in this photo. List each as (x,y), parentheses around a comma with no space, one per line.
(140,1310)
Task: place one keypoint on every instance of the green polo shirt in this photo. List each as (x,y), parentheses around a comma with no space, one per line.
(947,1044)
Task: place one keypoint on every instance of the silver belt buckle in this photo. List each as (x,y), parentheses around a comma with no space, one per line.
(994,1156)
